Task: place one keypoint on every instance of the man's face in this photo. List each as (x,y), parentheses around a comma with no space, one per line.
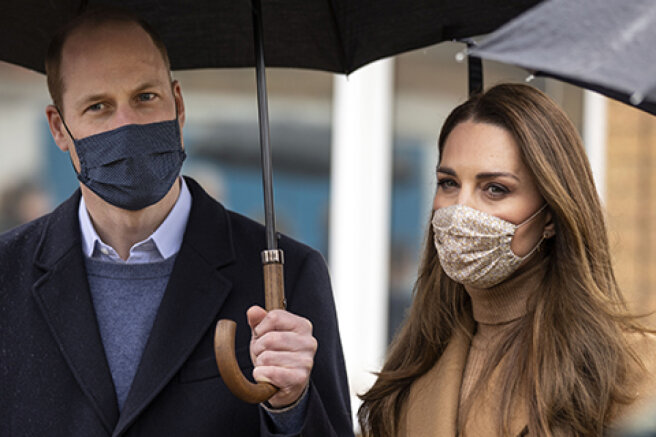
(113,75)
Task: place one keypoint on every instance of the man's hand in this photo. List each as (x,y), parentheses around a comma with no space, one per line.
(282,351)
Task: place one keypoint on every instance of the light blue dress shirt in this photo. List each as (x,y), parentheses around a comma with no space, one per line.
(162,244)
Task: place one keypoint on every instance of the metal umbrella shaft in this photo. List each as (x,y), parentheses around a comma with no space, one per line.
(265,144)
(272,257)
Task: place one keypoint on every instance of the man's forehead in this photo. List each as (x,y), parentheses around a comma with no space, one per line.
(94,56)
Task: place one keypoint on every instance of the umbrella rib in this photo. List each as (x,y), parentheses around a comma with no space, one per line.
(346,69)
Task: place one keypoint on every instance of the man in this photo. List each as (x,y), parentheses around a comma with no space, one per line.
(108,304)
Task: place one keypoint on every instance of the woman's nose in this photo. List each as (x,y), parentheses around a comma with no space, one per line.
(466,198)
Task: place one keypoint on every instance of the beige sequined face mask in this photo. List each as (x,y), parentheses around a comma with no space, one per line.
(474,247)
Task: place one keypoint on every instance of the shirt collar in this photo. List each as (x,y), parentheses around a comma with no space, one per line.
(163,243)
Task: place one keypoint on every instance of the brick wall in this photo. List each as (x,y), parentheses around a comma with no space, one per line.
(631,203)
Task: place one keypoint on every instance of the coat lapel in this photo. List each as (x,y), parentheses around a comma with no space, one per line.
(194,295)
(432,406)
(63,296)
(483,418)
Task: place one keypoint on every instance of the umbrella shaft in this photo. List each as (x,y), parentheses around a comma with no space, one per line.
(265,145)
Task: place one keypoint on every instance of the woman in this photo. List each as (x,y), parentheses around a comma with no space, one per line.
(517,325)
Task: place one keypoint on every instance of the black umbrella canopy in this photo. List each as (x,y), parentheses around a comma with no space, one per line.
(331,35)
(607,46)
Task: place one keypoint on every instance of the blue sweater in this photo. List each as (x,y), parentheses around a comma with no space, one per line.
(126,298)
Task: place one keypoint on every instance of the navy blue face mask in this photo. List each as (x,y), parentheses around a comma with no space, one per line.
(132,166)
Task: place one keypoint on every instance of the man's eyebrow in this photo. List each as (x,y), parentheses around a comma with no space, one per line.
(148,85)
(91,98)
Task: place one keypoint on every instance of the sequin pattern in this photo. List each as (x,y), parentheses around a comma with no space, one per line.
(474,247)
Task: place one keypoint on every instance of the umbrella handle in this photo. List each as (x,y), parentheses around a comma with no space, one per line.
(224,336)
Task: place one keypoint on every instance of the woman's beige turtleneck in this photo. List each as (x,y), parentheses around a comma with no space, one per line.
(496,311)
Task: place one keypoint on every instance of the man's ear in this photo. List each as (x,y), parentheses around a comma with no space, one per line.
(549,227)
(179,102)
(57,129)
(60,135)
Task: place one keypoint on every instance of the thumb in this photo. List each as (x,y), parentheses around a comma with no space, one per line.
(255,315)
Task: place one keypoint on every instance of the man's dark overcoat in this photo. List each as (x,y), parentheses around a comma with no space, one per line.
(54,377)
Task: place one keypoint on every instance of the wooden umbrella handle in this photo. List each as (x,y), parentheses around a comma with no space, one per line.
(224,336)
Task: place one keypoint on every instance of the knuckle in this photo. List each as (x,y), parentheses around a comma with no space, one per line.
(270,340)
(298,377)
(308,364)
(275,375)
(265,358)
(274,316)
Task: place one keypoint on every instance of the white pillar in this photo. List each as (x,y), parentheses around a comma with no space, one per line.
(594,137)
(21,138)
(361,173)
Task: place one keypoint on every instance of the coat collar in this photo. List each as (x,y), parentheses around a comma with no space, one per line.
(62,294)
(432,406)
(194,295)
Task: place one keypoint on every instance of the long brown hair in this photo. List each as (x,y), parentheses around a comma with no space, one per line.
(569,354)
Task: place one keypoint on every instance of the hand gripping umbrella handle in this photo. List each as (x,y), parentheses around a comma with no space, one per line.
(224,337)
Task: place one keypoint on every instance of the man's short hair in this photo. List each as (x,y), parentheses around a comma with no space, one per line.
(92,17)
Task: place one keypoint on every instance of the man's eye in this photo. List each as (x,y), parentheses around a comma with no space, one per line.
(96,107)
(146,97)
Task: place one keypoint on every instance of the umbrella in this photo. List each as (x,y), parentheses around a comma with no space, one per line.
(336,36)
(607,46)
(332,35)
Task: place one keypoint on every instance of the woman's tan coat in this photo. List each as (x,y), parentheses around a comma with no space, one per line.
(432,406)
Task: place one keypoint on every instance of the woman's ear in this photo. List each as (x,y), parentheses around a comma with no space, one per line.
(549,226)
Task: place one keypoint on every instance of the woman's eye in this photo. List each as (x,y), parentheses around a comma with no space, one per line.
(446,183)
(496,189)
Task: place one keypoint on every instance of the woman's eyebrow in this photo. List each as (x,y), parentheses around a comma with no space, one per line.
(495,174)
(446,170)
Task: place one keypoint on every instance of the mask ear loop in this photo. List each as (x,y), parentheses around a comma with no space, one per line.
(65,125)
(533,216)
(542,237)
(70,158)
(536,248)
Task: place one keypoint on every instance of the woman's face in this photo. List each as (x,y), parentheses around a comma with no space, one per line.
(481,167)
